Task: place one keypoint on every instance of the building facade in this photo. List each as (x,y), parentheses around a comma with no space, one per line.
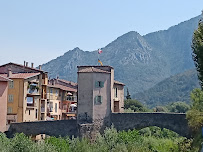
(98,95)
(25,93)
(3,101)
(62,99)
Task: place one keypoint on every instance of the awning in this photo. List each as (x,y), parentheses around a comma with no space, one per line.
(73,105)
(70,94)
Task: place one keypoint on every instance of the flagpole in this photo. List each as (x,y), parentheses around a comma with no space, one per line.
(97,57)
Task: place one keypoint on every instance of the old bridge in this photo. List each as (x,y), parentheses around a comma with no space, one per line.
(121,121)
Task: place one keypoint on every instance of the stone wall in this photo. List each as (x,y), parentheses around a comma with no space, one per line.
(173,121)
(52,128)
(121,121)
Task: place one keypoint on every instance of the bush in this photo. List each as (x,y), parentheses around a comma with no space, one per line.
(150,139)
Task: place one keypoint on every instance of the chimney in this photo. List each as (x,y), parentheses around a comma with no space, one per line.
(9,74)
(32,65)
(40,67)
(26,64)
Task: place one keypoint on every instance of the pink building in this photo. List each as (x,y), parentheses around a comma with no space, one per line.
(3,102)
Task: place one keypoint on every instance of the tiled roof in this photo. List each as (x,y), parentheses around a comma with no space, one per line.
(62,87)
(68,82)
(117,82)
(92,69)
(2,78)
(35,69)
(20,75)
(95,66)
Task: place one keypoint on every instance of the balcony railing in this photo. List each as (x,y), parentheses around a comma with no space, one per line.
(33,91)
(72,98)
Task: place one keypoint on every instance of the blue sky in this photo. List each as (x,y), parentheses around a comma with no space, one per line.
(40,30)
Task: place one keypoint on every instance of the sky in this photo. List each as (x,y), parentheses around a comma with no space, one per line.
(40,30)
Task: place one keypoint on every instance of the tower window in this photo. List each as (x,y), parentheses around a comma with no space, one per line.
(98,100)
(99,84)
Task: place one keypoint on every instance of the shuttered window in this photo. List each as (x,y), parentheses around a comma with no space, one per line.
(10,84)
(9,110)
(99,84)
(98,100)
(10,98)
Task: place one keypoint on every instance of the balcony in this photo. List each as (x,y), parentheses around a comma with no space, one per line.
(72,98)
(70,109)
(33,89)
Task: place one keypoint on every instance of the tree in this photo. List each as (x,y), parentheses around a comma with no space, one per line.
(128,95)
(197,47)
(178,107)
(195,114)
(134,105)
(160,109)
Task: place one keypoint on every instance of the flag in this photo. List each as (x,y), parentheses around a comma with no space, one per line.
(100,62)
(99,51)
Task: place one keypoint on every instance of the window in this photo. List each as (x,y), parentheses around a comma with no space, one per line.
(36,113)
(10,110)
(10,84)
(29,112)
(116,92)
(55,107)
(98,100)
(10,98)
(99,84)
(56,92)
(51,91)
(30,101)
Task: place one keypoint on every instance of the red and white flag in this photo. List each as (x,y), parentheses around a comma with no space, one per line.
(99,51)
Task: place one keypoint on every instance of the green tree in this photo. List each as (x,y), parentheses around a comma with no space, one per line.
(160,109)
(195,114)
(178,107)
(134,105)
(197,47)
(128,95)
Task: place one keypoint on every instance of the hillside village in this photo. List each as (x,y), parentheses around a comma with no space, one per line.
(27,94)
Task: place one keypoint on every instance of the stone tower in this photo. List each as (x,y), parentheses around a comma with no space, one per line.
(95,94)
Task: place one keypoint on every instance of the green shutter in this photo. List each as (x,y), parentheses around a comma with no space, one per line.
(96,84)
(101,99)
(102,84)
(95,99)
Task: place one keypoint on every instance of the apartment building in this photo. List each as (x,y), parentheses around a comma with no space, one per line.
(25,92)
(61,99)
(4,81)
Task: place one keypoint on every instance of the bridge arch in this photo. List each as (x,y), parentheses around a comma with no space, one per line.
(173,121)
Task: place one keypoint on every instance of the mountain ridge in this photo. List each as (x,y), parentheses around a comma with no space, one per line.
(139,61)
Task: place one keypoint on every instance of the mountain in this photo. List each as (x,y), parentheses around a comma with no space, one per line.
(174,45)
(139,61)
(172,89)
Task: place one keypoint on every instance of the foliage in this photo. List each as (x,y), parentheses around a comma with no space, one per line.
(134,105)
(150,139)
(195,114)
(128,95)
(128,110)
(160,109)
(197,47)
(178,107)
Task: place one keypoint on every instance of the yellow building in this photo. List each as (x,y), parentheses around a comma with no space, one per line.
(61,99)
(25,92)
